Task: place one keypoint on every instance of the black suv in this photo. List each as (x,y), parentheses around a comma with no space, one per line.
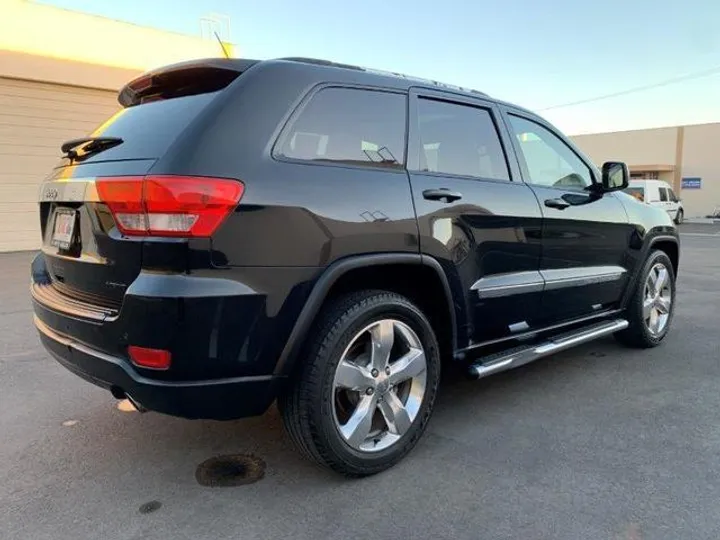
(327,235)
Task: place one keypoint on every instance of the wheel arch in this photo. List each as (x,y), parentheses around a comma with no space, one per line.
(372,271)
(670,246)
(666,243)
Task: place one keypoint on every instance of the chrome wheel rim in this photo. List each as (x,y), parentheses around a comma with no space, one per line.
(657,301)
(379,385)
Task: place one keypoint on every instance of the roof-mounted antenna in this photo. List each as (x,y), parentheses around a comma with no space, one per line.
(222,45)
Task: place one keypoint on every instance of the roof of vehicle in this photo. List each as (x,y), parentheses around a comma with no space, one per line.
(643,181)
(234,66)
(403,79)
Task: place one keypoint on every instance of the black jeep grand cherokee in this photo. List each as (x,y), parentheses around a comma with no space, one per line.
(326,235)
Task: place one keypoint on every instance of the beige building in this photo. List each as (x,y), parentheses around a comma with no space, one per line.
(686,157)
(54,87)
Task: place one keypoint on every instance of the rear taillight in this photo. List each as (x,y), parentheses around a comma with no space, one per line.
(181,206)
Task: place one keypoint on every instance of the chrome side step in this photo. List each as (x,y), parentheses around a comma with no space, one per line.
(524,355)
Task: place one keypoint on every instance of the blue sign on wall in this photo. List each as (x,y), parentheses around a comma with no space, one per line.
(691,182)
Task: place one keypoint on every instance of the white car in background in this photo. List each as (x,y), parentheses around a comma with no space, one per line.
(660,194)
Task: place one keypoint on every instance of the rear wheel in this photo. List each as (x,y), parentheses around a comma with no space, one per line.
(650,310)
(366,390)
(679,217)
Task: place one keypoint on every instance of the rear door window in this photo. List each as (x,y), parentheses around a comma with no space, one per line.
(459,140)
(349,126)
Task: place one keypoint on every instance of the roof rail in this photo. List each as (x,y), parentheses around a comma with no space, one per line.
(320,62)
(328,63)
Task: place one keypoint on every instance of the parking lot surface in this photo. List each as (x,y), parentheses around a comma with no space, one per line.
(601,442)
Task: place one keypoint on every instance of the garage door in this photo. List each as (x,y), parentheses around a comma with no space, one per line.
(35,119)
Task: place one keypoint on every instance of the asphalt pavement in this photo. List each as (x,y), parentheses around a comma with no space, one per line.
(600,442)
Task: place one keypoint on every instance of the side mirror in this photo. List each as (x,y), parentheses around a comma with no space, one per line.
(615,176)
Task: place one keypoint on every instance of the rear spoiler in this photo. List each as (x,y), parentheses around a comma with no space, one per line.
(183,79)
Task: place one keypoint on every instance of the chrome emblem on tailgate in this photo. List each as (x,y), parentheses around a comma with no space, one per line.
(49,194)
(72,190)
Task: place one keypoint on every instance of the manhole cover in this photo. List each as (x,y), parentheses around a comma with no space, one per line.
(227,471)
(148,507)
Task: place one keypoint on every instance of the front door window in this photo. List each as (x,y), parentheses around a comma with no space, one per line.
(549,161)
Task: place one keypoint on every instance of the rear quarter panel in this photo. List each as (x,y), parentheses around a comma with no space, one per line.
(292,213)
(294,218)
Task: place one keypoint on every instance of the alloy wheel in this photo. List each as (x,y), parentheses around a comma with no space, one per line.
(379,385)
(657,301)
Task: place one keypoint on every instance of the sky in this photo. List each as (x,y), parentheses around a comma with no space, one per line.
(541,54)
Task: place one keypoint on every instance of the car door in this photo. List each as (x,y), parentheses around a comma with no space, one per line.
(584,234)
(666,202)
(652,194)
(475,215)
(676,203)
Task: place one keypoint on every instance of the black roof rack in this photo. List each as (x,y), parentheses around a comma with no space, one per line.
(328,63)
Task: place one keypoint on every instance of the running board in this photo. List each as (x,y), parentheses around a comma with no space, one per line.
(524,355)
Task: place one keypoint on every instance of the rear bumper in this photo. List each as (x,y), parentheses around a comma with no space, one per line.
(219,399)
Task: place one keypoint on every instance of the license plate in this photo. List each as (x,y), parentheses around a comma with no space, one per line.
(63,229)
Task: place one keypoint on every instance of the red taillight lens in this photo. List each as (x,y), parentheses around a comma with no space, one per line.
(184,206)
(149,358)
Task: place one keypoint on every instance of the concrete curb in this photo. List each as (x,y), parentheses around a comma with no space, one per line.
(707,221)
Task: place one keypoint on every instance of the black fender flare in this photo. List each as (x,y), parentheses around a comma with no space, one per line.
(663,238)
(289,355)
(648,242)
(674,239)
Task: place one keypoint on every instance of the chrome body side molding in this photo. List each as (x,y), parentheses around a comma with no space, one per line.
(579,277)
(508,284)
(500,285)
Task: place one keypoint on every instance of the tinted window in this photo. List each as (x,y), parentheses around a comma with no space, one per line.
(550,161)
(148,130)
(349,126)
(459,139)
(672,196)
(663,194)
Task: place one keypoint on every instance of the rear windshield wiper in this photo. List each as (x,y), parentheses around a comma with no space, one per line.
(88,145)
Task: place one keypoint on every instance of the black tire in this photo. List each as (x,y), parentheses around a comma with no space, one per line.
(679,217)
(638,334)
(307,406)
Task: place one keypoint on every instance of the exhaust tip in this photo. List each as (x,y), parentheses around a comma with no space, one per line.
(135,404)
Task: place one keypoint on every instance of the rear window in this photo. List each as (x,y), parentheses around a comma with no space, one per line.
(349,126)
(149,129)
(637,192)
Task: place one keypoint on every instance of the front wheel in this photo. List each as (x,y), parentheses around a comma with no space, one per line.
(650,310)
(364,395)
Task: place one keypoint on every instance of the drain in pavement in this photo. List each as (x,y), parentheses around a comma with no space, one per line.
(231,470)
(149,507)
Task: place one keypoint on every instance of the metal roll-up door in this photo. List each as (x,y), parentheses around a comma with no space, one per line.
(35,119)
